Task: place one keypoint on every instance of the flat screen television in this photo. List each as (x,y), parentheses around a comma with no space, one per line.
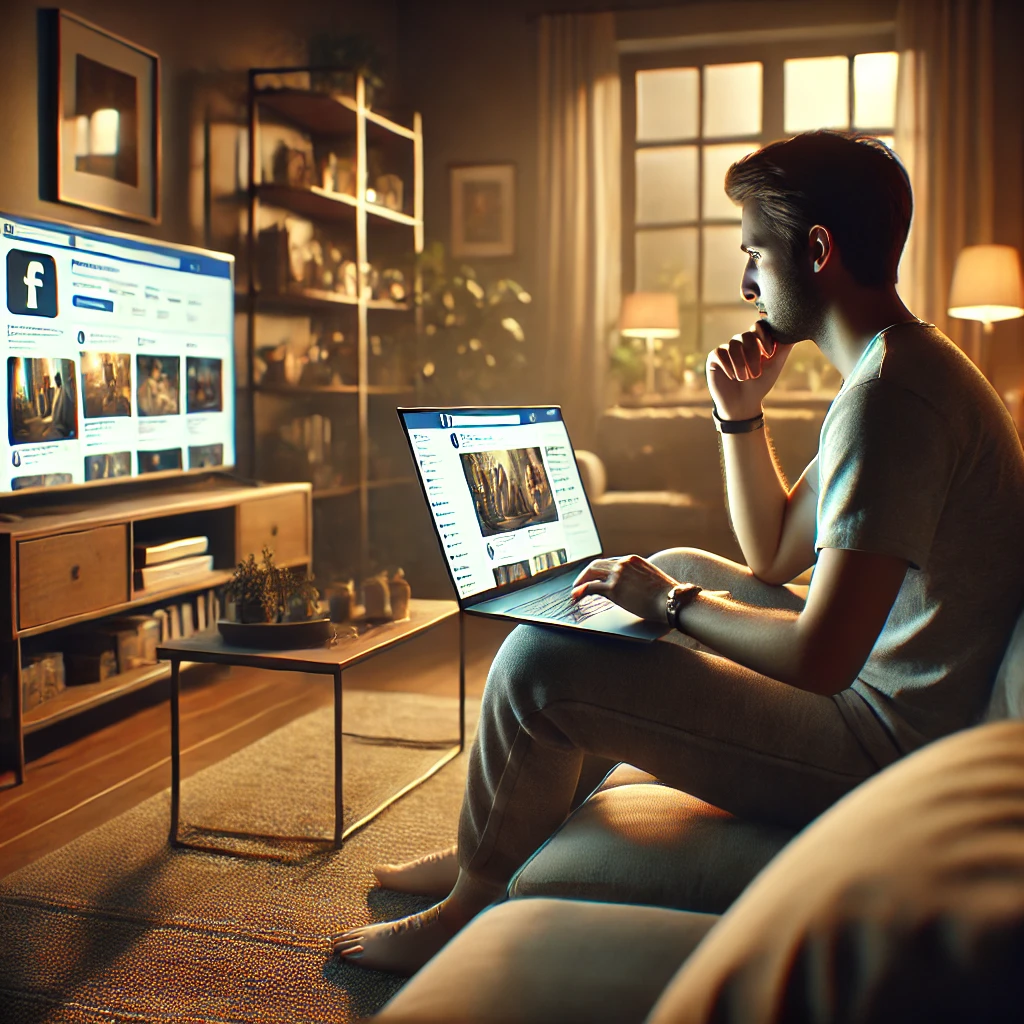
(118,356)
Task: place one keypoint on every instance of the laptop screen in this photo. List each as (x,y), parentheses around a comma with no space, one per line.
(503,488)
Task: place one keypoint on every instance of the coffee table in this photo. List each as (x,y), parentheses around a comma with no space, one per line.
(345,652)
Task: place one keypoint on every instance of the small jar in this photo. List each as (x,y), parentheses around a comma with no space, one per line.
(400,592)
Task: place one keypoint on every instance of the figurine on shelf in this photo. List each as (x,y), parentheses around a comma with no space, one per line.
(342,600)
(377,597)
(400,592)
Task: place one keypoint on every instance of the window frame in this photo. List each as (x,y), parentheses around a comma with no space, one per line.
(772,57)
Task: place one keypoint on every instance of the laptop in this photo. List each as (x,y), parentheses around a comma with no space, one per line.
(510,513)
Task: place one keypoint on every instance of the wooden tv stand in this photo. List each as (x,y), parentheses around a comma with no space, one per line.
(67,560)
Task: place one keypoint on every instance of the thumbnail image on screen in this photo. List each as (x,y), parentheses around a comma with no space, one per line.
(201,456)
(512,572)
(205,389)
(20,483)
(108,466)
(43,397)
(160,461)
(106,384)
(510,489)
(158,385)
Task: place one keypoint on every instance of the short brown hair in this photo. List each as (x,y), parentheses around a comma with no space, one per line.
(850,183)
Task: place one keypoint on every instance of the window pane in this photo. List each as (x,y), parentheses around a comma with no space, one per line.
(732,99)
(666,184)
(817,91)
(723,264)
(666,104)
(666,261)
(717,160)
(874,89)
(719,325)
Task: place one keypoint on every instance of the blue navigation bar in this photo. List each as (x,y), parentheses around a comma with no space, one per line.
(91,302)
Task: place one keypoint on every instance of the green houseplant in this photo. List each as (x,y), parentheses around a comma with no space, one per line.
(473,348)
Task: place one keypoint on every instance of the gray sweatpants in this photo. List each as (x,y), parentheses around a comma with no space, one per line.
(750,745)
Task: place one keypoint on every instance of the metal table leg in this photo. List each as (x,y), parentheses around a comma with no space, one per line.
(339,806)
(175,749)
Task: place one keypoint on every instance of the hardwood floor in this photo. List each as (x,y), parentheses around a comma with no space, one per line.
(85,771)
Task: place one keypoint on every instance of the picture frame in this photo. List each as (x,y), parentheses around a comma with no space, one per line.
(105,96)
(483,209)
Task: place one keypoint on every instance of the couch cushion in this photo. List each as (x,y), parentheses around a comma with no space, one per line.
(551,962)
(648,843)
(1007,699)
(904,901)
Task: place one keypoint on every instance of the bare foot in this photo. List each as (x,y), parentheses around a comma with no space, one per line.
(432,875)
(404,946)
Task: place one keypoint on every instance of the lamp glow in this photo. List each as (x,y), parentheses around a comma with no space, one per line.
(82,135)
(653,316)
(987,285)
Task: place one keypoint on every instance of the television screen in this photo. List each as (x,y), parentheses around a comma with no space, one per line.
(118,354)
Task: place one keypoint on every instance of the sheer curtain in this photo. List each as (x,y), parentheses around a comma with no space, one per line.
(945,136)
(580,210)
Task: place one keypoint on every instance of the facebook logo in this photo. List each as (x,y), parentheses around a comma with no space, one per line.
(31,283)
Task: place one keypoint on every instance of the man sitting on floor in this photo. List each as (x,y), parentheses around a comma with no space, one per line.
(910,515)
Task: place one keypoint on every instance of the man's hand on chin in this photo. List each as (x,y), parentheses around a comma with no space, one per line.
(741,372)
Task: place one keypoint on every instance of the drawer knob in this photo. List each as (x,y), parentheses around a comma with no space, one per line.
(273,530)
(75,572)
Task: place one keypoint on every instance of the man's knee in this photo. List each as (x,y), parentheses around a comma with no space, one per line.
(532,667)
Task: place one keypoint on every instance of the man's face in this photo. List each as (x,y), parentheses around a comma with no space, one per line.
(779,282)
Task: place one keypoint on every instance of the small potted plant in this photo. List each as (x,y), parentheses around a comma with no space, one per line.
(270,606)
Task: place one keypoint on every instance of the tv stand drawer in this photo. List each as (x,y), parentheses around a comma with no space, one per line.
(71,574)
(280,523)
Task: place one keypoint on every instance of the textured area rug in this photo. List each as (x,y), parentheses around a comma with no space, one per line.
(116,926)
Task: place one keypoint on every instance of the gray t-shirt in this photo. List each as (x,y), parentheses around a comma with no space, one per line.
(918,458)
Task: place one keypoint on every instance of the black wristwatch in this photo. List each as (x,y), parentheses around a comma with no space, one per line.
(678,598)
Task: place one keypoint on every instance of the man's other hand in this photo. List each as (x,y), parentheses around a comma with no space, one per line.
(741,372)
(631,582)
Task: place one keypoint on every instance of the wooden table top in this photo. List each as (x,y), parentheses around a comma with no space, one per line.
(347,650)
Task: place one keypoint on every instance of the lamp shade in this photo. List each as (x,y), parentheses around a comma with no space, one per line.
(987,284)
(650,315)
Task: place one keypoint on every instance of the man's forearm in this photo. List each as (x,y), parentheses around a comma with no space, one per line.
(773,642)
(757,495)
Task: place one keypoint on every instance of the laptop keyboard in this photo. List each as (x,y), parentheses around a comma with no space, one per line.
(559,607)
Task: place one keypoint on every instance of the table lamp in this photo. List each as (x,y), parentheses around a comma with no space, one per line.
(987,285)
(652,316)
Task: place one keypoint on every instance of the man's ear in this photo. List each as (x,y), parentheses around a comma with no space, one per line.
(820,246)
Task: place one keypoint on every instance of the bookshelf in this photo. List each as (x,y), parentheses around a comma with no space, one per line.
(316,161)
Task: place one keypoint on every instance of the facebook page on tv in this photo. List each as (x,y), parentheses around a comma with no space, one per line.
(117,355)
(504,492)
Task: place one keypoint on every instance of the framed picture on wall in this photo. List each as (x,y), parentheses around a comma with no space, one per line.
(106,93)
(483,202)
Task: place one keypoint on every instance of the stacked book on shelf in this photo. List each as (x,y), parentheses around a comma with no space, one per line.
(173,563)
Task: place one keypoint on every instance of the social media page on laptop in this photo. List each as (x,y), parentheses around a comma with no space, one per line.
(504,491)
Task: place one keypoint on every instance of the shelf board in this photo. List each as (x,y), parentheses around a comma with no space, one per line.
(313,202)
(317,112)
(395,481)
(335,492)
(307,389)
(193,586)
(380,121)
(390,389)
(384,213)
(303,298)
(388,304)
(75,699)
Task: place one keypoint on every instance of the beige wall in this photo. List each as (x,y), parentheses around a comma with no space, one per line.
(205,46)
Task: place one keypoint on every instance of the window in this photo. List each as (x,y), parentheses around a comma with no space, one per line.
(687,116)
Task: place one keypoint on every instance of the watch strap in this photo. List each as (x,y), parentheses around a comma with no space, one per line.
(678,598)
(737,426)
